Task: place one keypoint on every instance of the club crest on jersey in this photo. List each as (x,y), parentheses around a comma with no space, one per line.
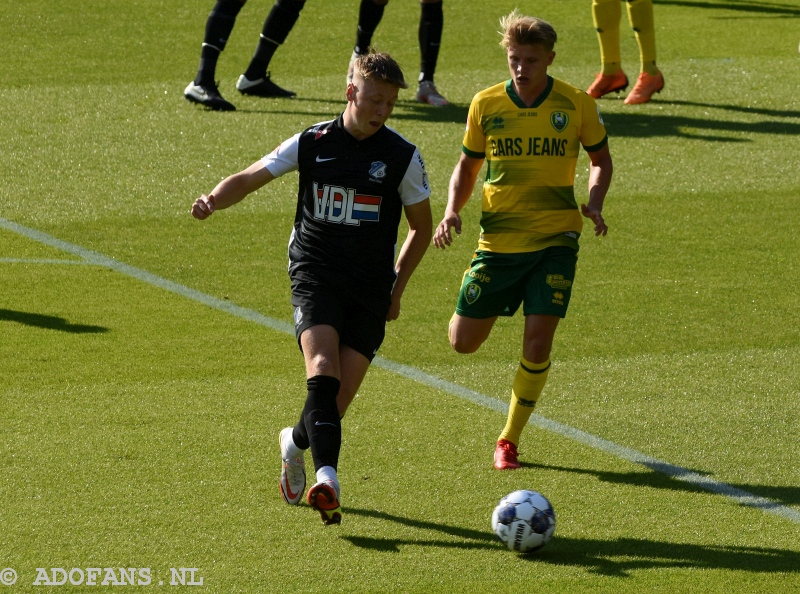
(318,132)
(377,171)
(559,119)
(472,293)
(335,204)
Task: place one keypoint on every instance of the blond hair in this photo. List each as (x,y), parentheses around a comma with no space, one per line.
(519,29)
(379,66)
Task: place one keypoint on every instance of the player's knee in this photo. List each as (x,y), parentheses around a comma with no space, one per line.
(463,344)
(537,351)
(320,364)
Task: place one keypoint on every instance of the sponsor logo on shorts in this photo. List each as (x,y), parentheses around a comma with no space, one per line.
(558,298)
(558,282)
(479,276)
(298,316)
(472,293)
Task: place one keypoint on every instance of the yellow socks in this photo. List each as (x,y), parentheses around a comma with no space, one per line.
(640,14)
(528,385)
(606,15)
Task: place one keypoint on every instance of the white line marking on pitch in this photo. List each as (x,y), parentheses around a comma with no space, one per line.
(42,261)
(676,472)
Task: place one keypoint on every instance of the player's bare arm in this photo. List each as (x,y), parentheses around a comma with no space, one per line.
(600,171)
(420,223)
(461,184)
(232,190)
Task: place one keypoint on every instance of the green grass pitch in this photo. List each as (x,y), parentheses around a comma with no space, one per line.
(146,370)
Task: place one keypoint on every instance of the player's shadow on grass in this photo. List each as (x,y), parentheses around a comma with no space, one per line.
(773,113)
(618,558)
(317,109)
(472,539)
(656,480)
(777,10)
(615,558)
(640,125)
(48,322)
(404,110)
(413,110)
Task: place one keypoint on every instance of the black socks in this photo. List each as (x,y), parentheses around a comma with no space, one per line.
(431,24)
(319,427)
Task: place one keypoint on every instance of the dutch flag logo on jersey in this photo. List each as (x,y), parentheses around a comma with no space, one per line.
(366,208)
(335,204)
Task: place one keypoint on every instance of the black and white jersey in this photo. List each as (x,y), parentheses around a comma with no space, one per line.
(350,198)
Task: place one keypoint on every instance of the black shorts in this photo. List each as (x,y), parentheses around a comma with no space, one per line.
(356,310)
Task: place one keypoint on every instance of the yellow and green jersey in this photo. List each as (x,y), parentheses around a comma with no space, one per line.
(531,153)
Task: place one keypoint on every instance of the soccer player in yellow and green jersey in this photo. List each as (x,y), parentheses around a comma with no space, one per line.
(529,130)
(531,151)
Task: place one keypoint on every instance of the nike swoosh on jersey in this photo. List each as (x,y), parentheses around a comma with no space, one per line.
(323,160)
(323,423)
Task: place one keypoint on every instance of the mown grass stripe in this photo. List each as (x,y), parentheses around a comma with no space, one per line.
(738,495)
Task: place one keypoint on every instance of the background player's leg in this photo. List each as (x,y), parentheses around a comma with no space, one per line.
(218,30)
(203,89)
(640,15)
(606,15)
(650,81)
(370,13)
(279,23)
(431,23)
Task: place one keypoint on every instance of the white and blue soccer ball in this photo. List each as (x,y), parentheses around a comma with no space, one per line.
(524,521)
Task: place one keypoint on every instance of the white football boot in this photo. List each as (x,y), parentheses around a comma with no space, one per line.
(293,470)
(427,93)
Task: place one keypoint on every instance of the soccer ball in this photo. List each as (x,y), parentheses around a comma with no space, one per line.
(524,521)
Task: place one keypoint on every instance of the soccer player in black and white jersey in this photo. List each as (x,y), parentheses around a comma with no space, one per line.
(357,178)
